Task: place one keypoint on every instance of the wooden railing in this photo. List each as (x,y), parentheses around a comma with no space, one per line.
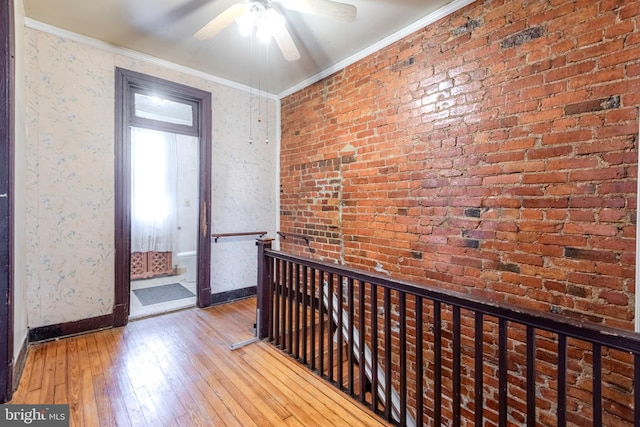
(217,236)
(426,356)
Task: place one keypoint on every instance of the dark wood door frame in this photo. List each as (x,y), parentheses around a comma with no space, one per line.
(7,135)
(128,82)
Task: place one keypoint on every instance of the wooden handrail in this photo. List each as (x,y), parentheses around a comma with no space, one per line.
(294,235)
(216,236)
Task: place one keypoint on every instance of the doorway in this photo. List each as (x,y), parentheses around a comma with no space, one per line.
(164,212)
(156,240)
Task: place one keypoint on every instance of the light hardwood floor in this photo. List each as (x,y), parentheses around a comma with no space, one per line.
(177,370)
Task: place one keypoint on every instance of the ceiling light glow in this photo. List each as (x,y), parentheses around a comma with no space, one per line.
(267,22)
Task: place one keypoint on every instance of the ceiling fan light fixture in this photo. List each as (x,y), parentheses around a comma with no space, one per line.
(245,22)
(267,22)
(253,12)
(269,25)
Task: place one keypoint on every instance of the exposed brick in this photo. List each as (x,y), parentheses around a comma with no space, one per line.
(593,105)
(493,152)
(472,212)
(522,37)
(590,254)
(616,298)
(468,27)
(514,268)
(578,291)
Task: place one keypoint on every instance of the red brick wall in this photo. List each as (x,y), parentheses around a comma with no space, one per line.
(493,152)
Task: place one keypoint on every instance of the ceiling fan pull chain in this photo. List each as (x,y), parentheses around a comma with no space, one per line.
(266,139)
(250,91)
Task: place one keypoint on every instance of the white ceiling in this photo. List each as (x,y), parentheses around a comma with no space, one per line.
(164,29)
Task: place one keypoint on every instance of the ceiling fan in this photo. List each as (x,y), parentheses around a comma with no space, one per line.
(269,23)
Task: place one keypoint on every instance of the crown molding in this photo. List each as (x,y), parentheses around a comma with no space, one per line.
(418,25)
(69,35)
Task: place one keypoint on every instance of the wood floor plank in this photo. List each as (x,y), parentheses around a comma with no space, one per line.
(226,415)
(197,405)
(37,366)
(225,370)
(47,385)
(314,410)
(234,406)
(337,407)
(103,357)
(74,381)
(61,362)
(60,394)
(236,378)
(83,354)
(178,370)
(301,412)
(168,405)
(220,366)
(112,411)
(33,396)
(294,422)
(355,414)
(134,411)
(89,407)
(93,354)
(151,406)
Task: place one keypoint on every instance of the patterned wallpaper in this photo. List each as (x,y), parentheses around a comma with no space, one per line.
(70,175)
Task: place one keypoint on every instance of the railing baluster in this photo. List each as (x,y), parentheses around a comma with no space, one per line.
(374,347)
(597,385)
(502,372)
(330,328)
(402,307)
(437,363)
(362,374)
(283,308)
(290,297)
(296,314)
(305,320)
(273,286)
(456,366)
(277,303)
(531,376)
(479,367)
(340,337)
(387,353)
(321,331)
(312,300)
(636,389)
(268,297)
(419,363)
(562,379)
(351,347)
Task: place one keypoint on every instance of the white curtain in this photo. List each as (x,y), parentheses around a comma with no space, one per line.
(153,190)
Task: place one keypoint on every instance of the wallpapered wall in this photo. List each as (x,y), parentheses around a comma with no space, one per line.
(70,176)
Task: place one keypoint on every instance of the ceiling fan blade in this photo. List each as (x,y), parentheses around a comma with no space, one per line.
(220,22)
(286,44)
(331,9)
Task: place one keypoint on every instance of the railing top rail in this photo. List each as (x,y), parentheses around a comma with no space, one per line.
(585,331)
(216,236)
